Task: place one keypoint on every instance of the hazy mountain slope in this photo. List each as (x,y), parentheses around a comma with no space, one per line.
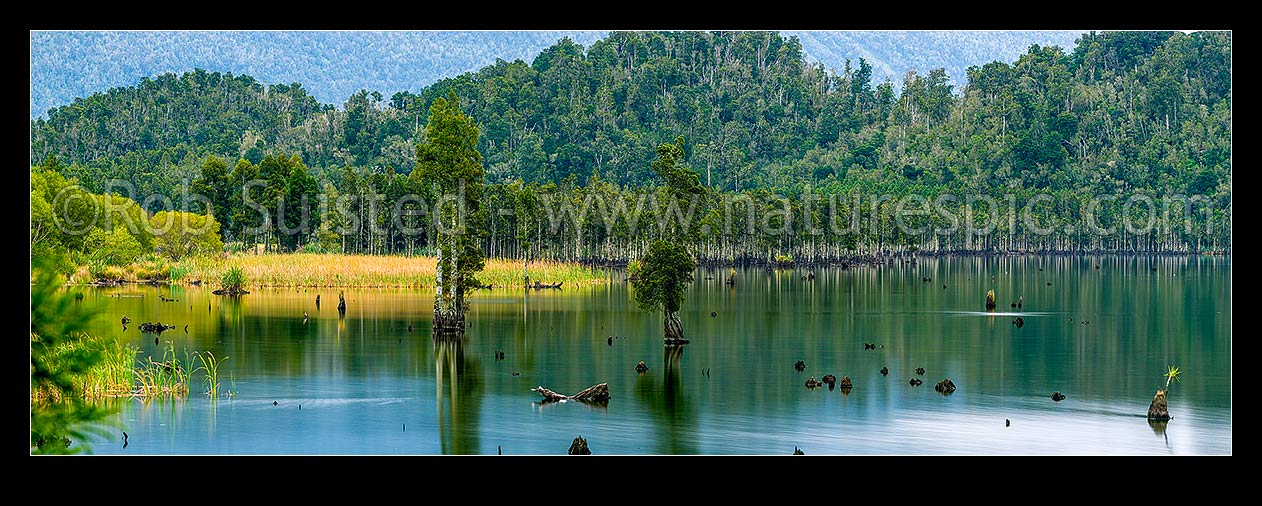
(892,54)
(334,65)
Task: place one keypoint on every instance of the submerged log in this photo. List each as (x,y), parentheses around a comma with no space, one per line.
(597,393)
(155,328)
(594,393)
(549,395)
(579,447)
(232,291)
(1157,411)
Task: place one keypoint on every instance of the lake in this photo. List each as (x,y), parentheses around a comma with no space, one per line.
(366,385)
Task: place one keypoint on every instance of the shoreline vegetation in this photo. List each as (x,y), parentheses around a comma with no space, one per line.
(271,270)
(334,270)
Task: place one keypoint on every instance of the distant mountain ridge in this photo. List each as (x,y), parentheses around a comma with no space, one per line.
(335,65)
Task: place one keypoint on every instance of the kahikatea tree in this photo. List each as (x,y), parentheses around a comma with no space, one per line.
(448,164)
(659,286)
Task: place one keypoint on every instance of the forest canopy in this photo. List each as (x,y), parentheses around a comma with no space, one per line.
(1119,114)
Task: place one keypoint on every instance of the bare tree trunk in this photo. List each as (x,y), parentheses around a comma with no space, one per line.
(673,329)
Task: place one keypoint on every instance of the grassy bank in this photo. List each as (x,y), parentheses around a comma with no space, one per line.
(112,376)
(366,271)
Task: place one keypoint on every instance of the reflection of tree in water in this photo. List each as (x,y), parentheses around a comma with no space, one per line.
(667,404)
(458,419)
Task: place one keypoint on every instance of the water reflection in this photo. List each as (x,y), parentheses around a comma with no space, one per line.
(458,416)
(668,404)
(1139,321)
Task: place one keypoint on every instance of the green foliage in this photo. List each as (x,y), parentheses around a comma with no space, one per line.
(178,233)
(234,277)
(449,163)
(210,369)
(1172,374)
(116,248)
(665,272)
(58,321)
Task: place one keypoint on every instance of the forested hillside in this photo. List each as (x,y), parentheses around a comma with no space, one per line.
(1118,114)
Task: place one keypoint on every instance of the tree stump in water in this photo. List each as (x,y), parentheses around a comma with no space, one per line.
(798,451)
(1057,396)
(799,365)
(885,371)
(990,300)
(812,383)
(673,330)
(946,386)
(579,447)
(1157,411)
(341,303)
(830,380)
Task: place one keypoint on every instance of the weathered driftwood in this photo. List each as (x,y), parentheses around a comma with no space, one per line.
(594,393)
(1157,411)
(549,395)
(231,291)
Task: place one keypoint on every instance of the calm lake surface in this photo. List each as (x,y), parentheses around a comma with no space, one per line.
(368,386)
